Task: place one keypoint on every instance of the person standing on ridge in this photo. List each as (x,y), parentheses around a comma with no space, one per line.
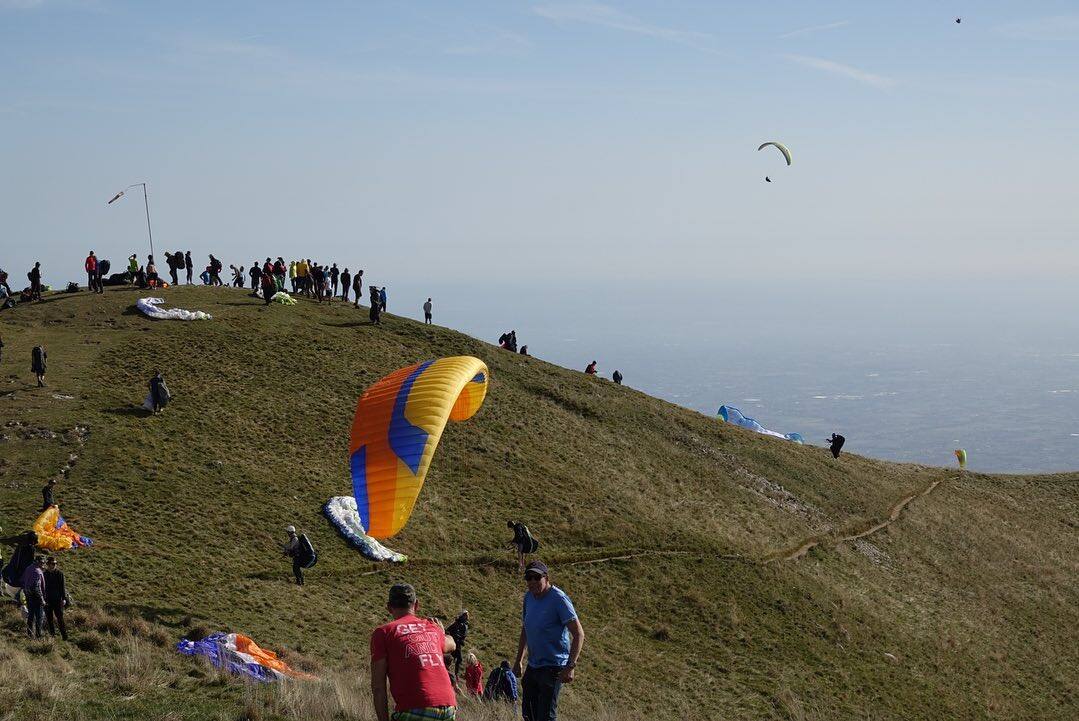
(269,287)
(38,359)
(56,598)
(427,312)
(279,273)
(617,378)
(553,636)
(34,276)
(407,652)
(189,266)
(335,276)
(346,280)
(591,369)
(357,287)
(256,276)
(91,272)
(374,314)
(47,498)
(175,262)
(382,299)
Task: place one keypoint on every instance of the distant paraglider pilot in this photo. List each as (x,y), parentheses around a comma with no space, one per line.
(47,498)
(38,360)
(835,444)
(590,369)
(617,378)
(522,541)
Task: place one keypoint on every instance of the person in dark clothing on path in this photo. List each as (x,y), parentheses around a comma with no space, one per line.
(56,598)
(427,312)
(159,393)
(357,287)
(617,378)
(346,280)
(34,276)
(374,312)
(835,444)
(501,685)
(33,591)
(335,276)
(47,498)
(524,349)
(38,358)
(552,635)
(382,299)
(189,265)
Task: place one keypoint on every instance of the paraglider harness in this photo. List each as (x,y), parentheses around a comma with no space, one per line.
(305,552)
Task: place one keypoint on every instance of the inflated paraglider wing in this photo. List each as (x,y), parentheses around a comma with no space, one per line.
(961,456)
(780,146)
(399,421)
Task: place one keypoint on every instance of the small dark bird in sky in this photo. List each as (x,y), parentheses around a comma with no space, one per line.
(958,20)
(767,179)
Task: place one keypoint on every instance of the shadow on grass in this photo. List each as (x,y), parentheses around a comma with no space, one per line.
(351,324)
(137,411)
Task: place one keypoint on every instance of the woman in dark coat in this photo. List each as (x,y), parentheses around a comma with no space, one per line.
(159,393)
(38,356)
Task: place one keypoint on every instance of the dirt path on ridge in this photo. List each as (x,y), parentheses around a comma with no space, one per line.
(896,510)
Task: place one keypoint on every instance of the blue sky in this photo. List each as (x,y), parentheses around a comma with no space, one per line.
(604,142)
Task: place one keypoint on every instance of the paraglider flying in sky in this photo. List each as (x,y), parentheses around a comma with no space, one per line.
(781,148)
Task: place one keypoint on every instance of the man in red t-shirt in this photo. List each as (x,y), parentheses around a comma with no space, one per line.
(408,650)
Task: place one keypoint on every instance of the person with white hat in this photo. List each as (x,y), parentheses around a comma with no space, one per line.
(301,551)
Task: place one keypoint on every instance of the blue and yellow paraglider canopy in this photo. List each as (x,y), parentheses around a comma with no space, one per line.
(399,421)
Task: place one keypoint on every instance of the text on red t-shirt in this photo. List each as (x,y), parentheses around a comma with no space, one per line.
(412,648)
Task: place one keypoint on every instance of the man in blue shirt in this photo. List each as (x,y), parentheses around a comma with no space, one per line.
(553,636)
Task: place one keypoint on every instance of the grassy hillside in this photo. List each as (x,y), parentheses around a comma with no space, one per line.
(670,531)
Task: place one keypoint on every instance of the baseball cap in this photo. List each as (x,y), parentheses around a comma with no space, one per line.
(537,567)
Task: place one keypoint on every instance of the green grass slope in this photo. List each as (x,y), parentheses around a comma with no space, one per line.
(670,531)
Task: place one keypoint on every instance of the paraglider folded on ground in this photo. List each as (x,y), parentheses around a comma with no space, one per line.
(341,510)
(53,533)
(149,307)
(283,298)
(399,421)
(240,655)
(735,416)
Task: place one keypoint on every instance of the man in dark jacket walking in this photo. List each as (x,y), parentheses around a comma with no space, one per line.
(189,265)
(38,358)
(56,598)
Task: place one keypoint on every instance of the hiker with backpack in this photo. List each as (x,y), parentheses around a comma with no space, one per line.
(300,550)
(501,685)
(458,631)
(522,541)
